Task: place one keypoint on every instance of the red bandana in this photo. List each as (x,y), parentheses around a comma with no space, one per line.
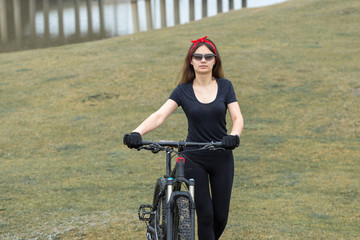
(201,40)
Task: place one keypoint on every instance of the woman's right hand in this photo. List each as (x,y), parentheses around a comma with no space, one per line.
(133,140)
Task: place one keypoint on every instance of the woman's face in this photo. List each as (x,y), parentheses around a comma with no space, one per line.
(206,64)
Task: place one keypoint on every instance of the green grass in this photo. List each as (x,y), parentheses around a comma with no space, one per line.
(295,66)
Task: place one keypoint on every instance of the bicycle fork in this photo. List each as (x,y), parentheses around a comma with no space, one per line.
(170,187)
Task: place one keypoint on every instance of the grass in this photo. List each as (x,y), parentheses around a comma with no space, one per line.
(295,66)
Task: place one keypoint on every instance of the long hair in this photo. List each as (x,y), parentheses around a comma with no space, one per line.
(188,73)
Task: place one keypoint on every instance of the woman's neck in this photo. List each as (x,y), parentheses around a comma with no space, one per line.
(203,80)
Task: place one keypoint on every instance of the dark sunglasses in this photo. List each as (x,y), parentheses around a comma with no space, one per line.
(199,57)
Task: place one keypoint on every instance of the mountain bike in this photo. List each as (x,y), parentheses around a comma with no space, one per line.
(172,213)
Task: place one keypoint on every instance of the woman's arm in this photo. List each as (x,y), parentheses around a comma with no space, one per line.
(157,118)
(237,118)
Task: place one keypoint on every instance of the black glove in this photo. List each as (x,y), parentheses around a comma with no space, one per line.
(230,141)
(133,140)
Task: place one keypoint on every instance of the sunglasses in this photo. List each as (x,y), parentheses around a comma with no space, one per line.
(199,57)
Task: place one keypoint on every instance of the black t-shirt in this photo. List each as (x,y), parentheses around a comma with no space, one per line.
(206,121)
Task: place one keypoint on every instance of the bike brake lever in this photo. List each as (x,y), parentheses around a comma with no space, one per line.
(213,148)
(141,147)
(153,149)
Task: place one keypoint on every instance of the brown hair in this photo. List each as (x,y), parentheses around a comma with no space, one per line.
(188,73)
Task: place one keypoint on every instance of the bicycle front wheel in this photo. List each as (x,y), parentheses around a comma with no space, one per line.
(182,219)
(158,222)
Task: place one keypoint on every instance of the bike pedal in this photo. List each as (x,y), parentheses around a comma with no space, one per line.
(145,212)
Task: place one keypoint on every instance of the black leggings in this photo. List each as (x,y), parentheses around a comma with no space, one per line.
(212,201)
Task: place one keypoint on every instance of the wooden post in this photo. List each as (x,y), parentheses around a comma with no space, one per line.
(77,17)
(231,4)
(204,8)
(176,12)
(192,10)
(17,21)
(46,18)
(3,22)
(149,24)
(163,13)
(244,4)
(61,20)
(135,15)
(219,6)
(32,12)
(102,20)
(89,15)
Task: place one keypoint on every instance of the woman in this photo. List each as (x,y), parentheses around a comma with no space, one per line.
(205,97)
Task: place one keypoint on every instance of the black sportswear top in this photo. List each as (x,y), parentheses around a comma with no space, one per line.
(206,121)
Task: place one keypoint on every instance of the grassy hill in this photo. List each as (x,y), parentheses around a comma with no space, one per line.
(295,67)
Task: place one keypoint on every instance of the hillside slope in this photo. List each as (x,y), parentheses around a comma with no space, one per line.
(295,68)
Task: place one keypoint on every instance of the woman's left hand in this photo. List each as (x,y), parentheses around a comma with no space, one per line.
(230,141)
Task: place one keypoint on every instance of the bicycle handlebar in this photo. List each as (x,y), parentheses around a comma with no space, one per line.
(183,144)
(155,147)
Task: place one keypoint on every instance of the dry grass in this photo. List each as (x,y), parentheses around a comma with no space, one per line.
(295,67)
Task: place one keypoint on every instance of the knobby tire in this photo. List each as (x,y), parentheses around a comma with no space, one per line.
(159,206)
(181,214)
(182,219)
